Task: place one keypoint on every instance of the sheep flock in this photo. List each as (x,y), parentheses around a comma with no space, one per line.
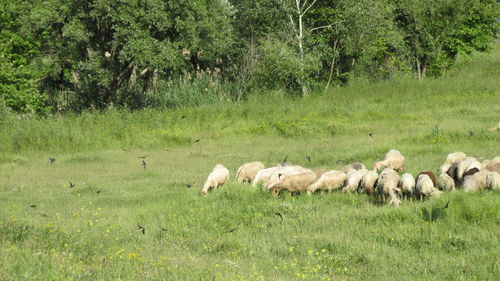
(458,170)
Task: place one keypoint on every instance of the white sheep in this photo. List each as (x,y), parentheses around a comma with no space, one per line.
(493,181)
(425,185)
(353,180)
(475,182)
(446,182)
(368,182)
(248,171)
(216,178)
(263,175)
(452,158)
(351,168)
(293,182)
(393,159)
(387,186)
(467,164)
(407,185)
(287,170)
(491,165)
(330,180)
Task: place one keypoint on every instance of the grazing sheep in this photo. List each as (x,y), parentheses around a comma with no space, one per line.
(248,171)
(293,183)
(407,185)
(387,186)
(466,164)
(330,180)
(470,173)
(393,159)
(446,182)
(263,175)
(494,167)
(475,182)
(491,165)
(452,158)
(287,170)
(496,127)
(493,181)
(216,178)
(352,167)
(368,182)
(425,185)
(320,172)
(353,180)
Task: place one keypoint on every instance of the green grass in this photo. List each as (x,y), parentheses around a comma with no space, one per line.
(80,234)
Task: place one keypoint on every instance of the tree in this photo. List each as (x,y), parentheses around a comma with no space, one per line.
(105,52)
(435,31)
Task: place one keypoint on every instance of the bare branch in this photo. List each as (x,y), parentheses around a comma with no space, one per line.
(307,9)
(321,27)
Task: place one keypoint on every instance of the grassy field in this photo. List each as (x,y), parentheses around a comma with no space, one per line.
(49,231)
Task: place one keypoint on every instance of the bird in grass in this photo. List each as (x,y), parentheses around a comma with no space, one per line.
(144,164)
(183,116)
(52,160)
(33,206)
(232,230)
(98,191)
(279,215)
(446,206)
(71,185)
(197,140)
(370,134)
(471,133)
(142,229)
(188,185)
(308,158)
(164,229)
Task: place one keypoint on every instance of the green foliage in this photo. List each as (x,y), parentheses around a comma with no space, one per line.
(77,55)
(18,74)
(281,67)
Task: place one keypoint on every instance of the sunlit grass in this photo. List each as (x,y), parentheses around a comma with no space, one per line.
(51,231)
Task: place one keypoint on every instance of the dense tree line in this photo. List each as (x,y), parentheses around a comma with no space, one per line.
(75,54)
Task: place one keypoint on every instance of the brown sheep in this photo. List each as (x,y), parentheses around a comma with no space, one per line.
(293,183)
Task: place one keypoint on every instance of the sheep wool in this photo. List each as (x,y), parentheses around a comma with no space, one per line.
(216,178)
(293,183)
(330,180)
(248,171)
(394,159)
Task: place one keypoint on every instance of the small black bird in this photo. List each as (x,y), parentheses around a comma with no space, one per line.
(188,185)
(142,228)
(98,191)
(232,230)
(33,206)
(196,140)
(308,158)
(183,116)
(143,157)
(446,206)
(279,214)
(144,164)
(164,229)
(52,160)
(71,185)
(370,134)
